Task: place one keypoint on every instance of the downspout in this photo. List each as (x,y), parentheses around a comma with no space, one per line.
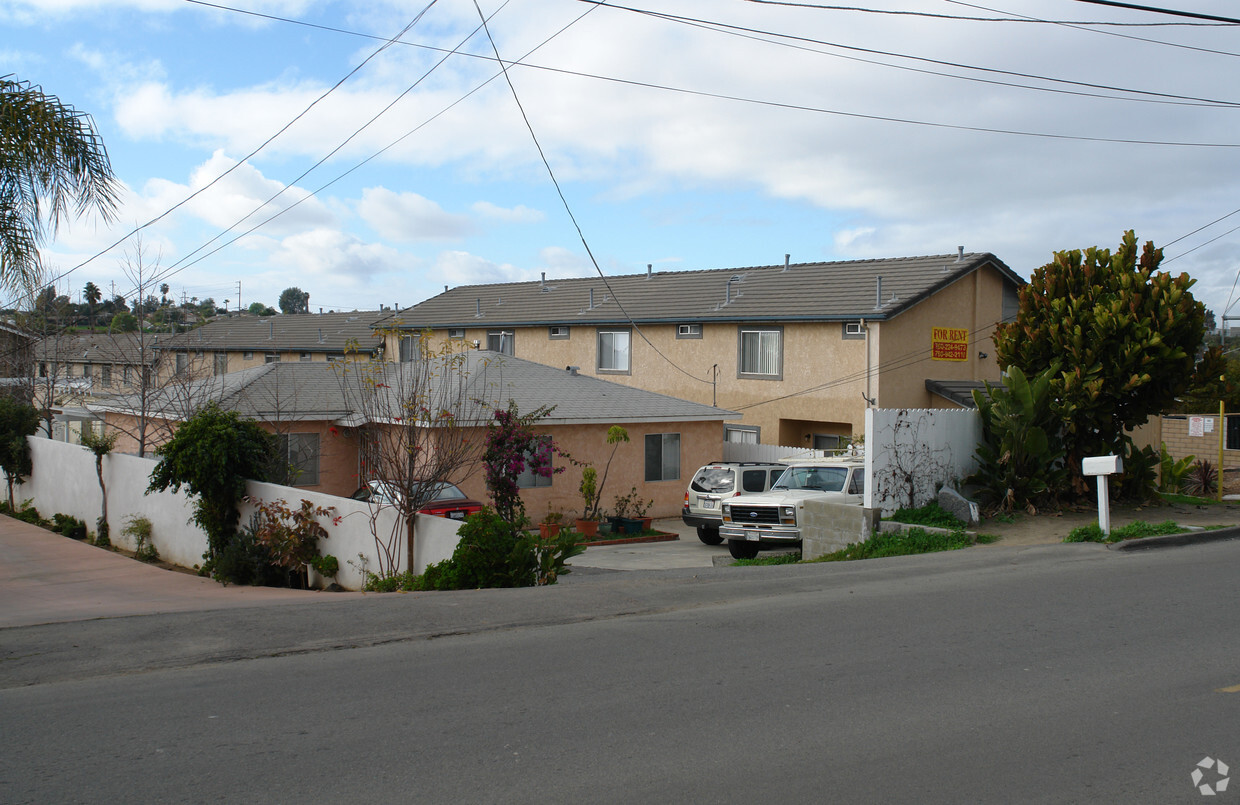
(869,395)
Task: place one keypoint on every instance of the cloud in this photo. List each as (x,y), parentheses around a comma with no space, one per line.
(519,214)
(462,268)
(410,217)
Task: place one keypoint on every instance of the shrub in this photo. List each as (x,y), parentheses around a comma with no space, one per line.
(139,528)
(1201,480)
(900,543)
(69,525)
(101,535)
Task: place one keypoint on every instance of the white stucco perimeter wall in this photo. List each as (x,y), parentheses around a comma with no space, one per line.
(64,481)
(917,450)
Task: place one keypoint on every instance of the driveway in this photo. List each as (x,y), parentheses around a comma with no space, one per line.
(49,578)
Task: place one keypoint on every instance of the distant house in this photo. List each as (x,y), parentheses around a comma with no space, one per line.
(324,433)
(70,371)
(799,349)
(233,343)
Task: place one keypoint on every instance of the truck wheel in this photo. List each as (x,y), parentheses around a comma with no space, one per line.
(710,536)
(742,550)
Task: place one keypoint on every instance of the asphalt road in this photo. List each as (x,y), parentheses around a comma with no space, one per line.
(1065,673)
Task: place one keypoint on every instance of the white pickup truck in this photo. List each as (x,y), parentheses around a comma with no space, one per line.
(773,519)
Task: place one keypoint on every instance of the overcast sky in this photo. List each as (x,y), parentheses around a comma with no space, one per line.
(730,136)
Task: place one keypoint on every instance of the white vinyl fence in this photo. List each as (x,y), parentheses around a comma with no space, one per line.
(910,453)
(64,481)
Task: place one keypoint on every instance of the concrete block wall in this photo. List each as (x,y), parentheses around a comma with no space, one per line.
(1175,429)
(829,527)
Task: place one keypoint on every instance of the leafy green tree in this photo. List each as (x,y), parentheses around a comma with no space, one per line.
(294,301)
(51,158)
(17,421)
(259,309)
(125,322)
(212,455)
(1124,335)
(100,444)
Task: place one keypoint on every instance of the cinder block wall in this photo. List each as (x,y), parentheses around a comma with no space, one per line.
(830,527)
(1175,430)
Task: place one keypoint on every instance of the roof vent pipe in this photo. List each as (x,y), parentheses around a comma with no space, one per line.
(959,254)
(787,257)
(544,281)
(591,299)
(320,335)
(271,330)
(649,269)
(572,370)
(878,293)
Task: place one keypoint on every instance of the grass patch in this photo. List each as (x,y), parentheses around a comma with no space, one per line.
(932,514)
(1134,530)
(900,543)
(770,559)
(1191,500)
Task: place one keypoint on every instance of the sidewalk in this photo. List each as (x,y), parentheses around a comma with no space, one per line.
(49,578)
(686,552)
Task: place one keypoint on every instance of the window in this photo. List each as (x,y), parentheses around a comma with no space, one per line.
(456,332)
(271,357)
(754,480)
(856,484)
(613,350)
(86,370)
(741,434)
(827,441)
(220,363)
(182,362)
(1232,429)
(105,376)
(761,352)
(304,356)
(335,356)
(126,375)
(528,479)
(247,355)
(1011,302)
(688,331)
(42,370)
(853,330)
(662,456)
(298,459)
(407,347)
(500,341)
(557,333)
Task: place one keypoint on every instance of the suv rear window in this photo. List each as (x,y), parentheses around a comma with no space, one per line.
(714,480)
(753,480)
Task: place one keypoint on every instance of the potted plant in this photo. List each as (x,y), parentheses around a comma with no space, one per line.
(550,524)
(587,524)
(640,507)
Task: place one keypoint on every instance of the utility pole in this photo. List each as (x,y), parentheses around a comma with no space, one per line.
(238,296)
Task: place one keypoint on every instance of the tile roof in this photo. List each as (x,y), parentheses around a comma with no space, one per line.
(97,348)
(308,332)
(315,391)
(802,291)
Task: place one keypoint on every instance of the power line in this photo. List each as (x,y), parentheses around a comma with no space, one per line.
(976,19)
(1168,11)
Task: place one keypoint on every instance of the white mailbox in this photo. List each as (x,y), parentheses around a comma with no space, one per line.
(1102,465)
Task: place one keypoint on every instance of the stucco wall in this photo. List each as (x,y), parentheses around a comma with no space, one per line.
(64,481)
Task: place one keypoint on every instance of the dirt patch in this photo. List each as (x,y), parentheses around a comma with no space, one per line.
(1044,528)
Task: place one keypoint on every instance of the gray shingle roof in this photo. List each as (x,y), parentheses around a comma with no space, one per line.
(309,332)
(314,391)
(96,348)
(802,291)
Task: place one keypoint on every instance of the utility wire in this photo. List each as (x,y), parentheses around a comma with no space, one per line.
(1168,11)
(977,19)
(261,146)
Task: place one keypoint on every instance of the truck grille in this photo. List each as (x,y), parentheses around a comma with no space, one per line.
(755,515)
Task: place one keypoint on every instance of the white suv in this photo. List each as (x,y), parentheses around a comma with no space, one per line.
(723,479)
(753,522)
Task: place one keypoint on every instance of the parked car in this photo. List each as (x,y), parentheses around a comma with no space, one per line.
(774,518)
(722,479)
(447,500)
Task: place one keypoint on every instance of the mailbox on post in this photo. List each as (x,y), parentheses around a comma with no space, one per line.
(1102,466)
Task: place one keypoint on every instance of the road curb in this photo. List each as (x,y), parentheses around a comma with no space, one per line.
(1175,540)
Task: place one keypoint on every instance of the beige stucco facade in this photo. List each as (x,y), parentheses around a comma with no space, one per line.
(828,368)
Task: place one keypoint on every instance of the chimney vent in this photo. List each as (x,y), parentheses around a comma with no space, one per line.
(572,370)
(878,293)
(959,254)
(649,269)
(787,257)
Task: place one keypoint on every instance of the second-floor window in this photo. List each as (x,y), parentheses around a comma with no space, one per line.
(500,341)
(182,362)
(761,352)
(221,363)
(613,350)
(105,376)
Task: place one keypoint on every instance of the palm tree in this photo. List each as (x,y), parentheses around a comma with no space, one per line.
(92,295)
(51,158)
(163,294)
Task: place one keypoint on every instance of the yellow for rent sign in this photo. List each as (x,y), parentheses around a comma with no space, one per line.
(949,344)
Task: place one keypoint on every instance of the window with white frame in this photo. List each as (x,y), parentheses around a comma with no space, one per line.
(298,457)
(761,352)
(613,350)
(126,375)
(741,434)
(456,332)
(557,332)
(182,359)
(662,456)
(105,376)
(248,355)
(688,331)
(500,341)
(305,356)
(407,348)
(853,330)
(220,363)
(271,357)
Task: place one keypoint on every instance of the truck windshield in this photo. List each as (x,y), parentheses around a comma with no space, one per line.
(821,479)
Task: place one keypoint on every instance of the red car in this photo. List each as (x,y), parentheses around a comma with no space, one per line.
(447,499)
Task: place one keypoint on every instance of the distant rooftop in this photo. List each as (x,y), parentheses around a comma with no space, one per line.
(308,332)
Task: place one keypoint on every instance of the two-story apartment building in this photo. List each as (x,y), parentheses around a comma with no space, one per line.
(233,343)
(799,349)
